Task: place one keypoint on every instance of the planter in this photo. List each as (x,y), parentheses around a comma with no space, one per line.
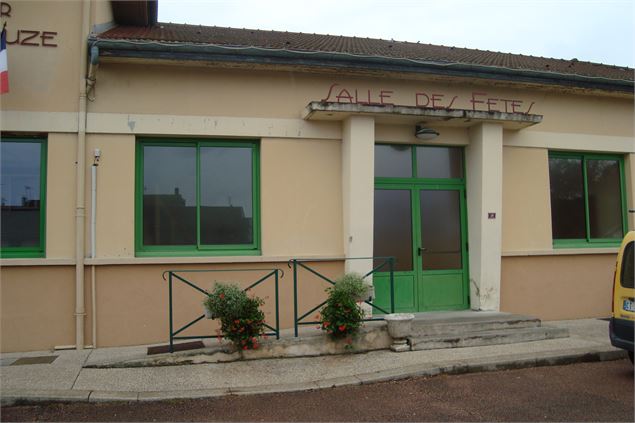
(399,328)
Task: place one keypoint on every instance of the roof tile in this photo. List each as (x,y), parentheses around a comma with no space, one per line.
(294,41)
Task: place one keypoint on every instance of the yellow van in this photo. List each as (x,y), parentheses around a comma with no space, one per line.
(623,316)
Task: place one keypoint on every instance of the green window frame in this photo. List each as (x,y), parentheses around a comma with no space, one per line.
(37,251)
(588,241)
(198,249)
(413,176)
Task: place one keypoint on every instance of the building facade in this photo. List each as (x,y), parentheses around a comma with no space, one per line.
(215,148)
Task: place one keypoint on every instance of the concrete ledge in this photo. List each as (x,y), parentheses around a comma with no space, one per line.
(372,336)
(268,389)
(113,396)
(193,394)
(39,396)
(328,111)
(338,381)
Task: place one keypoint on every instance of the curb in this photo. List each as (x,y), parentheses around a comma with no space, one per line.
(510,362)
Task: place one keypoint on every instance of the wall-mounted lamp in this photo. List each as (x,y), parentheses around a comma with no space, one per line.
(424,133)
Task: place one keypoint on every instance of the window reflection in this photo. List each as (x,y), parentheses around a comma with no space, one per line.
(226,195)
(393,228)
(20,194)
(439,162)
(393,161)
(605,202)
(567,198)
(440,229)
(169,195)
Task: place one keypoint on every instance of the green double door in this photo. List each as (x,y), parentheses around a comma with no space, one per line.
(422,223)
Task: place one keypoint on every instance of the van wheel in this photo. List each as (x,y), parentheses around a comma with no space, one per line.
(630,355)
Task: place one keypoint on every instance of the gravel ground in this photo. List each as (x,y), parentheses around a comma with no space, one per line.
(579,392)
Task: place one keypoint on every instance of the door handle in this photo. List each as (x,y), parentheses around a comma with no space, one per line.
(421,250)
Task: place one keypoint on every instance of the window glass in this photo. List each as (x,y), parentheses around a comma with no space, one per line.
(605,202)
(226,195)
(439,162)
(393,228)
(440,229)
(197,196)
(169,195)
(586,199)
(20,176)
(393,161)
(567,198)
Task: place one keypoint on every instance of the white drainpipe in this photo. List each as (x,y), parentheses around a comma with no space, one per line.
(93,243)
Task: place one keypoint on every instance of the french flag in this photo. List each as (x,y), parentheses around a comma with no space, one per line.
(4,70)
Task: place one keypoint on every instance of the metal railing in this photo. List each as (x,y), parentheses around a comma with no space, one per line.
(275,274)
(301,263)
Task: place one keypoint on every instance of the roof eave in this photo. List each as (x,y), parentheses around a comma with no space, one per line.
(217,53)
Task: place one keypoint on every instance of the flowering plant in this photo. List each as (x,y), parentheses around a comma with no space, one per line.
(341,317)
(242,321)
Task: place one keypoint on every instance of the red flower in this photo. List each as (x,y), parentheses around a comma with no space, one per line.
(236,322)
(342,328)
(326,324)
(221,296)
(245,347)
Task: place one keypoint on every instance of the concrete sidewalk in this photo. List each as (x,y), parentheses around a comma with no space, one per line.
(65,379)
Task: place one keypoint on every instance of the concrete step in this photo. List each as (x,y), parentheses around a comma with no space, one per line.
(487,337)
(459,325)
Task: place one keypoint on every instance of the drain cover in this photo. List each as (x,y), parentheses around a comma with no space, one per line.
(160,349)
(45,359)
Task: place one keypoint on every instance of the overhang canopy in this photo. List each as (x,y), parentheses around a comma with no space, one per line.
(394,114)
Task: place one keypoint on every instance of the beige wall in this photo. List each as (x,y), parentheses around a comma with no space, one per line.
(301,177)
(526,201)
(406,134)
(37,307)
(203,91)
(558,287)
(115,195)
(133,300)
(60,196)
(301,198)
(44,78)
(484,185)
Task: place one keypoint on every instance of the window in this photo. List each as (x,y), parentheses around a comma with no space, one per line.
(23,192)
(423,162)
(197,198)
(587,199)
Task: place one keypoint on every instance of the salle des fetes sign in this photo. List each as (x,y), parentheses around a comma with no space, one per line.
(476,101)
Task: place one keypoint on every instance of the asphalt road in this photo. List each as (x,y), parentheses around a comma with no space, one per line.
(578,392)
